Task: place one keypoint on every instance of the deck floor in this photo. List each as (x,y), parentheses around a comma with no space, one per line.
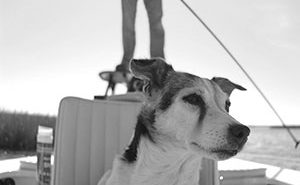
(272,172)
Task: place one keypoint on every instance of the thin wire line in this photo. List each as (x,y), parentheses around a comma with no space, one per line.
(245,72)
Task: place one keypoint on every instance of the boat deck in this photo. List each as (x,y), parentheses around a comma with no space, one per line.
(232,167)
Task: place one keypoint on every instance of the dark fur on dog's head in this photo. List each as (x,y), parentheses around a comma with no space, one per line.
(153,72)
(180,105)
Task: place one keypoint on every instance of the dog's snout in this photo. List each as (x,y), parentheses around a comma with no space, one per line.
(239,132)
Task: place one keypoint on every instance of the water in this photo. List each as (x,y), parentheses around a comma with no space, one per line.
(272,146)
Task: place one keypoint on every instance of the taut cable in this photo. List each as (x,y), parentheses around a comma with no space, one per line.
(245,72)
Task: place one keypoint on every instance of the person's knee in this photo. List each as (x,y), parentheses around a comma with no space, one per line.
(128,26)
(157,29)
(128,33)
(128,20)
(155,18)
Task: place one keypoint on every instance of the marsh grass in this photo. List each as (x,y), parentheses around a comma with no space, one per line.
(18,131)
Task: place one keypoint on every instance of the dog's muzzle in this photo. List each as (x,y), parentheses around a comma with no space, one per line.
(236,138)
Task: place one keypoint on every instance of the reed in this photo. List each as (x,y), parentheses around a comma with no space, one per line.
(18,129)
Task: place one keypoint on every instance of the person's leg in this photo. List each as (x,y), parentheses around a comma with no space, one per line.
(157,35)
(128,30)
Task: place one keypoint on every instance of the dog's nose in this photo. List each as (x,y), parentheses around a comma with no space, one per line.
(239,132)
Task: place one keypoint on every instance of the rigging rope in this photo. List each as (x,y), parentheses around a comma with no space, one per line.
(245,72)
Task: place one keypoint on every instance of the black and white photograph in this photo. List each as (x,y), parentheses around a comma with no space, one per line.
(149,92)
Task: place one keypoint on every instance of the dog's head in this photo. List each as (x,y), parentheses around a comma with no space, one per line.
(190,110)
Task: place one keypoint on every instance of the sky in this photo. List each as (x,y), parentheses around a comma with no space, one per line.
(53,49)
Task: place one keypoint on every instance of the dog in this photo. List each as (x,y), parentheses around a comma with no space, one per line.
(184,119)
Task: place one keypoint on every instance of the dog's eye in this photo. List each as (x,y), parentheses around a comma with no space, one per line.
(227,105)
(193,99)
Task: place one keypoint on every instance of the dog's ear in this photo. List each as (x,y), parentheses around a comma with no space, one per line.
(226,85)
(152,71)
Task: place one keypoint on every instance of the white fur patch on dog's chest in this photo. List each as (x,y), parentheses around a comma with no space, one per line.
(170,172)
